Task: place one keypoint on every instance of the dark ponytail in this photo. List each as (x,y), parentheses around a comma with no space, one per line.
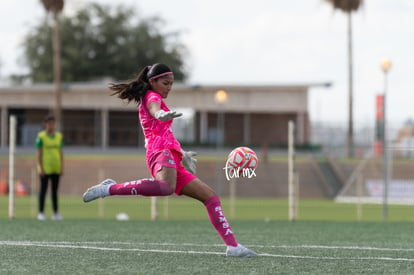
(135,89)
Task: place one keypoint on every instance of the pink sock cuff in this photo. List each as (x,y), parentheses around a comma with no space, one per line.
(165,189)
(212,200)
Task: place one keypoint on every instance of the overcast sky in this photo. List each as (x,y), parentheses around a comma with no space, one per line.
(272,42)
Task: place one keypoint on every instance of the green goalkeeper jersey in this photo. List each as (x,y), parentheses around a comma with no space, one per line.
(51,149)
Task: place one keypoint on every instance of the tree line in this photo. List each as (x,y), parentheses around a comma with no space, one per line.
(101,41)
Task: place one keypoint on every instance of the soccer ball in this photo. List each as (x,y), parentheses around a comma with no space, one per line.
(242,158)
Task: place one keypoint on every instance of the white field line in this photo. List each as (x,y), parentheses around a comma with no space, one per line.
(336,247)
(322,247)
(77,246)
(81,245)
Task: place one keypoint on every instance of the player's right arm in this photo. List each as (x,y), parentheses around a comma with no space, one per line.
(39,156)
(154,107)
(156,111)
(40,161)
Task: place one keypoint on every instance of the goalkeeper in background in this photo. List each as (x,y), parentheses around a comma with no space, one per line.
(49,145)
(172,168)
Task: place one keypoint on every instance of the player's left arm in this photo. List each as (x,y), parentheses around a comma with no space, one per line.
(61,162)
(188,161)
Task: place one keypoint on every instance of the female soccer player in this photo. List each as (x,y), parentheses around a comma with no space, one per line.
(172,168)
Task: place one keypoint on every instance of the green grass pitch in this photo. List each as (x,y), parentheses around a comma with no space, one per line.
(192,247)
(326,239)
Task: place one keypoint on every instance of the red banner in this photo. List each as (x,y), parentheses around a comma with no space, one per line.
(379,103)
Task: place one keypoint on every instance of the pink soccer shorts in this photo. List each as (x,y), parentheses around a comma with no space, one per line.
(170,158)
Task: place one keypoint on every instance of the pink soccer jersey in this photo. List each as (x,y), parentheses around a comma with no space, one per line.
(158,134)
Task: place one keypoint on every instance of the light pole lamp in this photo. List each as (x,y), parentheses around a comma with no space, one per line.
(220,97)
(385,67)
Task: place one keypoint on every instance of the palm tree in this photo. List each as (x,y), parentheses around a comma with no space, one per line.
(56,7)
(349,6)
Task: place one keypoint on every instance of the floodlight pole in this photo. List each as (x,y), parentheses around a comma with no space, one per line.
(385,66)
(220,97)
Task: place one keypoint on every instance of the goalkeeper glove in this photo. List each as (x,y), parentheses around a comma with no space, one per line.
(188,161)
(164,116)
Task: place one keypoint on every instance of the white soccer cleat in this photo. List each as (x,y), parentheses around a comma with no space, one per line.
(57,217)
(98,191)
(239,251)
(41,217)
